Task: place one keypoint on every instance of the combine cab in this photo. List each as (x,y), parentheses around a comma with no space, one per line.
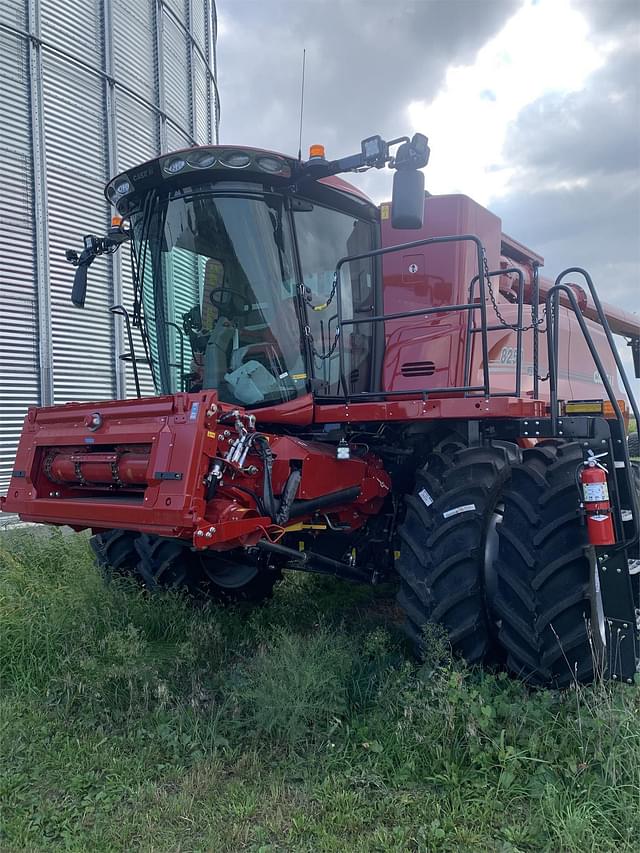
(333,398)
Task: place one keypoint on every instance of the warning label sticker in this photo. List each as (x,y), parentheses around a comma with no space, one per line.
(426,497)
(458,510)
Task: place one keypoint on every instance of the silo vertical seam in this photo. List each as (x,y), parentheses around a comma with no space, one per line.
(209,8)
(112,165)
(162,117)
(216,92)
(45,353)
(192,71)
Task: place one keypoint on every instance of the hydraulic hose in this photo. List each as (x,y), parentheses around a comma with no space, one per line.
(262,446)
(288,495)
(344,496)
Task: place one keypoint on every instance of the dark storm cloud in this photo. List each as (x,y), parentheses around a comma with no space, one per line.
(366,61)
(593,131)
(575,197)
(596,227)
(610,17)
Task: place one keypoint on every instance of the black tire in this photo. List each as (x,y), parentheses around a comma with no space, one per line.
(442,555)
(167,564)
(115,552)
(234,579)
(223,577)
(634,445)
(158,563)
(547,599)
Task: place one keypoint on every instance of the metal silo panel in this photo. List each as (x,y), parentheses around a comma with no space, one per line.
(200,100)
(176,74)
(134,50)
(14,13)
(19,375)
(198,26)
(137,132)
(75,26)
(176,138)
(56,145)
(82,340)
(180,8)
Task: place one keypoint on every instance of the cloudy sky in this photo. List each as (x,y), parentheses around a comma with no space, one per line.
(532,107)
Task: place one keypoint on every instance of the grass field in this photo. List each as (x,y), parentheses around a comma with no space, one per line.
(141,723)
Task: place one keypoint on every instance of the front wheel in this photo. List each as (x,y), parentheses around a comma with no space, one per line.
(227,577)
(548,603)
(446,554)
(235,579)
(169,564)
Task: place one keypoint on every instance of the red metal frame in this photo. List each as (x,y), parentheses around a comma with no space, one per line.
(145,466)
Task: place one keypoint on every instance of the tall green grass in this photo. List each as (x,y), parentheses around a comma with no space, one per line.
(135,722)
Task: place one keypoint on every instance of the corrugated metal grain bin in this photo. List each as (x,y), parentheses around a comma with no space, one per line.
(87,88)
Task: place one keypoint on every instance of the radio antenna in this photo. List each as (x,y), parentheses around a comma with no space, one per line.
(304,61)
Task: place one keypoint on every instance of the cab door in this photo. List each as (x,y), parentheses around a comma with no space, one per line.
(325,235)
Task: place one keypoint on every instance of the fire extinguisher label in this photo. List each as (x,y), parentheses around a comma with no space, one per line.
(595,492)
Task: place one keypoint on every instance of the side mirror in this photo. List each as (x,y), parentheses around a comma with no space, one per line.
(407,201)
(79,290)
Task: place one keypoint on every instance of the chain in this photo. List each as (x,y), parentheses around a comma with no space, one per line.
(326,304)
(513,326)
(307,330)
(501,319)
(332,349)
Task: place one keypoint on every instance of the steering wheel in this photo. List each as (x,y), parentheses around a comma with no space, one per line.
(219,299)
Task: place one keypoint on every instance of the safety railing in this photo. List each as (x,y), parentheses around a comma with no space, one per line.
(471,306)
(553,315)
(500,327)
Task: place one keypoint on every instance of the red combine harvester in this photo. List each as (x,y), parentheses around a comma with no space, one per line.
(332,399)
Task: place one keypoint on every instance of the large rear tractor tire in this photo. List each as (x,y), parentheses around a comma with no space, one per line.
(446,539)
(547,600)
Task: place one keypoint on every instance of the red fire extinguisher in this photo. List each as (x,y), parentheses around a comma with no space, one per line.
(595,496)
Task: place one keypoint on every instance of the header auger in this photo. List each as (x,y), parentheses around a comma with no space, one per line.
(330,398)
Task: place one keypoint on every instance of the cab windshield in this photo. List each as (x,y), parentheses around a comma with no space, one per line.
(221,307)
(219,297)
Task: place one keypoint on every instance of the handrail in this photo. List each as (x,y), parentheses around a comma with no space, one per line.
(480,306)
(121,311)
(602,319)
(498,327)
(552,306)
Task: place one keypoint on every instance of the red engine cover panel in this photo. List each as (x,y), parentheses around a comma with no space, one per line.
(428,352)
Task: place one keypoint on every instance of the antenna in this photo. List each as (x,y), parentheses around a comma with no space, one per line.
(304,61)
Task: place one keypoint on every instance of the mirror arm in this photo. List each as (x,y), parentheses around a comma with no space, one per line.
(93,246)
(412,154)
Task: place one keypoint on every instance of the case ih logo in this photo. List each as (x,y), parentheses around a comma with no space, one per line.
(141,174)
